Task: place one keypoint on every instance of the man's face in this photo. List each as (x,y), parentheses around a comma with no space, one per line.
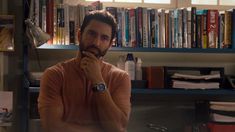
(96,38)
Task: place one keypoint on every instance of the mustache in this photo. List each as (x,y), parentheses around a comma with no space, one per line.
(99,54)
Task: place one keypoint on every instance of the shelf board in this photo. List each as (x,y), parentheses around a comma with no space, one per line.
(34,89)
(5,124)
(130,49)
(169,91)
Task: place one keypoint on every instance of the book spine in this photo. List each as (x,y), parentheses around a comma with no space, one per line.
(185,27)
(233,28)
(145,28)
(170,28)
(175,28)
(123,28)
(127,33)
(193,27)
(72,12)
(66,24)
(180,32)
(162,28)
(119,27)
(50,19)
(189,29)
(198,31)
(221,32)
(152,28)
(43,17)
(227,29)
(132,27)
(204,31)
(139,26)
(212,28)
(166,29)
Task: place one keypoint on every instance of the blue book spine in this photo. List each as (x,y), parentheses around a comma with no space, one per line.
(233,29)
(156,29)
(119,27)
(127,28)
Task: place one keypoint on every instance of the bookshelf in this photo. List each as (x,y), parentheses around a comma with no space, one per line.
(143,95)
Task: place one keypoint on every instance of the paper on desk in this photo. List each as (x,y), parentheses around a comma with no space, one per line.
(222,118)
(187,76)
(224,106)
(193,85)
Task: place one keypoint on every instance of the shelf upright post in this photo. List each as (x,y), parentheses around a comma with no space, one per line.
(23,94)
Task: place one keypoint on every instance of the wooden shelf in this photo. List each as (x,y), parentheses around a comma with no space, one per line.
(5,124)
(171,91)
(129,49)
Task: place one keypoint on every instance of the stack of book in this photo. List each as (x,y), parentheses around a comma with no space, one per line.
(187,81)
(222,111)
(222,116)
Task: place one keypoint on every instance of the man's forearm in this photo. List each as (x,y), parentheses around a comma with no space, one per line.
(112,118)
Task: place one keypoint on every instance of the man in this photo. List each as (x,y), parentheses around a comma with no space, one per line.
(86,94)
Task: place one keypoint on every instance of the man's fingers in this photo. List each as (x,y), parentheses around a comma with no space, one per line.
(88,54)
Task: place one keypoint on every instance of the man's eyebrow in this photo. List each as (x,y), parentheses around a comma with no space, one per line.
(104,35)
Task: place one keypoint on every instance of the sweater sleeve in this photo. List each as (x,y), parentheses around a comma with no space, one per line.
(50,88)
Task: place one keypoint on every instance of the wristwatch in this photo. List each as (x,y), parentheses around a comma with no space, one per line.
(100,87)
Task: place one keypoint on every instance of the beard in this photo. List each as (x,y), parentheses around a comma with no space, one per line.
(96,51)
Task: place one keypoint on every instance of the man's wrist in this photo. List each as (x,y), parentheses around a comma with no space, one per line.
(99,87)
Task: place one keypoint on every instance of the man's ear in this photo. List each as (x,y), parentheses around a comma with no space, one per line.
(112,42)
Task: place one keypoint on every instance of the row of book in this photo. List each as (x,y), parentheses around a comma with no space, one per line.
(143,27)
(61,21)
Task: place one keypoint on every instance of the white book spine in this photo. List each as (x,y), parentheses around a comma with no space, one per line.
(145,28)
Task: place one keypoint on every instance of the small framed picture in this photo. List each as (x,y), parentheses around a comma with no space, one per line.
(7,27)
(6,106)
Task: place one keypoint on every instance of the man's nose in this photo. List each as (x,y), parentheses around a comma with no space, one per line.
(97,41)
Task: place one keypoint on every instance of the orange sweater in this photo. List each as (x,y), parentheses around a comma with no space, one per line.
(64,86)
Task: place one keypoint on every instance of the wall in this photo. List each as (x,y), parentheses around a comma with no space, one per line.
(50,57)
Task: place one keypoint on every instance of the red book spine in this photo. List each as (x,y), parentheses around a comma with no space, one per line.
(50,19)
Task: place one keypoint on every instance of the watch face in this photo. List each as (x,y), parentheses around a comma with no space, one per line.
(101,87)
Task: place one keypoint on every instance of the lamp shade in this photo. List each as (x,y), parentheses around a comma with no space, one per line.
(35,34)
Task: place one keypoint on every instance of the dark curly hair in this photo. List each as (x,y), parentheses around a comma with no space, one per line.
(103,16)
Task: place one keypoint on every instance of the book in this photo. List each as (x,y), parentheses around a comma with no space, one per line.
(139,26)
(233,28)
(227,29)
(50,19)
(218,127)
(222,118)
(192,26)
(195,85)
(155,76)
(222,106)
(212,28)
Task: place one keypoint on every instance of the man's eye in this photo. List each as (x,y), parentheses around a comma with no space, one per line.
(106,38)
